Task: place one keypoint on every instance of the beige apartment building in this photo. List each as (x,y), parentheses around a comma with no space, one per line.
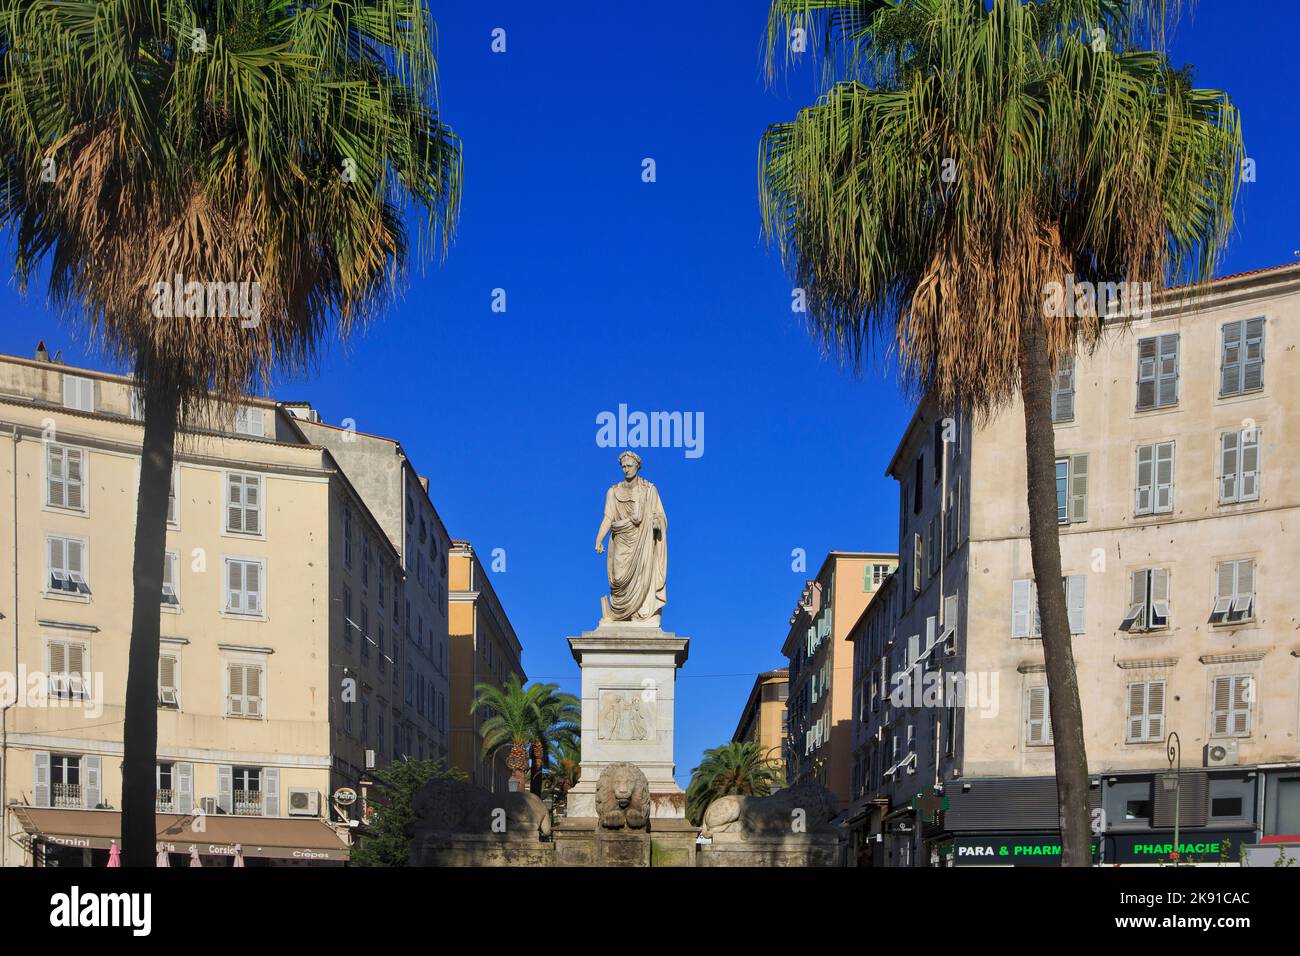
(763,719)
(484,650)
(818,745)
(1178,483)
(272,688)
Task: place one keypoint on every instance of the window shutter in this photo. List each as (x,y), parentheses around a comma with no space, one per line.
(171,494)
(1240,723)
(235,693)
(1135,616)
(1136,711)
(225,788)
(1039,730)
(1249,484)
(1076,597)
(1228,465)
(1078,488)
(57,652)
(253,691)
(1253,367)
(1063,391)
(183,782)
(1020,608)
(1159,597)
(235,583)
(54,476)
(234,504)
(1146,379)
(1167,387)
(271,791)
(253,505)
(253,587)
(1222,700)
(1243,603)
(1155,710)
(1164,497)
(41,778)
(76,670)
(1145,475)
(167,679)
(90,787)
(1230,359)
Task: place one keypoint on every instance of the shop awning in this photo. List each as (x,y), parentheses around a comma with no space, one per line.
(280,838)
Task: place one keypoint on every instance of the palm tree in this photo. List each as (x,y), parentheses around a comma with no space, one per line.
(275,143)
(734,768)
(560,717)
(513,717)
(563,770)
(963,162)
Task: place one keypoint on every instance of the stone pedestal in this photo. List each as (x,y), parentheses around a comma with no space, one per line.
(582,842)
(629,676)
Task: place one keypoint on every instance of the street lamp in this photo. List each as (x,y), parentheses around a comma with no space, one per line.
(1171,779)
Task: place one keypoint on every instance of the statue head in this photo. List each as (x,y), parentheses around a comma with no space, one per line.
(630,462)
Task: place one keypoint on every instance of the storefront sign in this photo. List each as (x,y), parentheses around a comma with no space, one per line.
(1001,850)
(1192,847)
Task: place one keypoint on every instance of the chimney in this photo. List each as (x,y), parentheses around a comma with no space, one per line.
(42,353)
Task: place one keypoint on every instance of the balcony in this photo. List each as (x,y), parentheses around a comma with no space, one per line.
(248,803)
(65,796)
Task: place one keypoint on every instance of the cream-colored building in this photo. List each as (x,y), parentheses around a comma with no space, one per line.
(818,745)
(269,693)
(484,650)
(1178,477)
(763,719)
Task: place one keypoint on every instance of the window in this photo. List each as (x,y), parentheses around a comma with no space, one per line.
(244,690)
(65,781)
(347,616)
(249,421)
(1072,489)
(918,562)
(1148,608)
(938,451)
(918,495)
(173,516)
(246,790)
(169,694)
(1024,606)
(1155,479)
(244,504)
(1063,390)
(365,721)
(1234,597)
(67,565)
(347,536)
(365,633)
(1239,466)
(347,717)
(1038,718)
(1146,711)
(365,560)
(1241,368)
(935,548)
(79,393)
(1157,378)
(67,666)
(953,519)
(163,777)
(136,402)
(379,647)
(64,468)
(171,580)
(1231,714)
(244,586)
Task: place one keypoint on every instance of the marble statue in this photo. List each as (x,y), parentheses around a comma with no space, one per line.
(623,797)
(638,548)
(777,815)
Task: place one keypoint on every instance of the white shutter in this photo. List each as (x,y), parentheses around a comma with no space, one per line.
(271,791)
(1145,479)
(1230,359)
(1252,375)
(1229,464)
(183,783)
(73,458)
(1020,608)
(225,788)
(1063,391)
(90,781)
(235,690)
(1249,481)
(1155,710)
(1078,488)
(1159,616)
(41,778)
(1137,711)
(1146,377)
(234,585)
(1164,497)
(234,503)
(253,587)
(55,491)
(1038,722)
(1076,598)
(1241,695)
(1167,383)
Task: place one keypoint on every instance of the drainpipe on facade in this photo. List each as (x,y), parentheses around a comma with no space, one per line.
(4,715)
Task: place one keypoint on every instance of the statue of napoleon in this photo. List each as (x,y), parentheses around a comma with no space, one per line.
(638,548)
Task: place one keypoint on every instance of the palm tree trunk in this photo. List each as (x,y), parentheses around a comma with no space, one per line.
(1045,548)
(538,765)
(140,739)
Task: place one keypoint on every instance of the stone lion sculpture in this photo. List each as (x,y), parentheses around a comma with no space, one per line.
(623,797)
(445,808)
(803,808)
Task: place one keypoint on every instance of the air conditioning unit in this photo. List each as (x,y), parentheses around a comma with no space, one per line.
(1221,753)
(303,802)
(370,760)
(209,806)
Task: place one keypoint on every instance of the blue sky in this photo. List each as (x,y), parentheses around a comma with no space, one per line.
(661,296)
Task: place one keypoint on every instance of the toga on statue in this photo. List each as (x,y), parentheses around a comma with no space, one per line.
(638,548)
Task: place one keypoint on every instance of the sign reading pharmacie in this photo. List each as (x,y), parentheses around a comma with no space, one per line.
(1193,846)
(1010,850)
